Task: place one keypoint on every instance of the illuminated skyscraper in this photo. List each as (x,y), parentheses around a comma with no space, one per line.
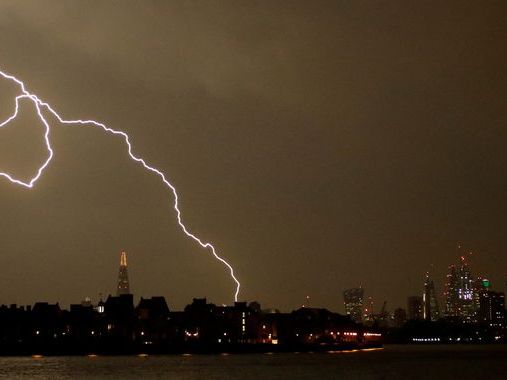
(123,277)
(368,310)
(452,306)
(481,286)
(461,287)
(353,299)
(430,302)
(492,308)
(466,292)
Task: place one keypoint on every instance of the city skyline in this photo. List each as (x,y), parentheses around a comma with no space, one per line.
(253,189)
(468,299)
(356,302)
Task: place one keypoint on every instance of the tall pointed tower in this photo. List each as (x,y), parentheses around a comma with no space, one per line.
(431,310)
(123,276)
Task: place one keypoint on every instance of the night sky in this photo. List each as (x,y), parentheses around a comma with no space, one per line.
(318,145)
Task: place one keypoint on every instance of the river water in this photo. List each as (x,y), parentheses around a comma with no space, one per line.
(392,362)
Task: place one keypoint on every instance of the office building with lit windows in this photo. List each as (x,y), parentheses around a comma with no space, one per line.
(353,299)
(492,308)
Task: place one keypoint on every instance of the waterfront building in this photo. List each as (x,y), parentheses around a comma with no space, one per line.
(399,317)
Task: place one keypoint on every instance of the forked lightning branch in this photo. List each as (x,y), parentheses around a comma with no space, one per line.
(43,109)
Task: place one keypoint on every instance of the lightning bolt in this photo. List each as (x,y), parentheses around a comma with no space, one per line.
(43,106)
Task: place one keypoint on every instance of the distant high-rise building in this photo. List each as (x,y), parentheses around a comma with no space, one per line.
(431,311)
(452,305)
(353,299)
(368,310)
(492,308)
(462,293)
(481,285)
(123,277)
(465,289)
(415,307)
(399,317)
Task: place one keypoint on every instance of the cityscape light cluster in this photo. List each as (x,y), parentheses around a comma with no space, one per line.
(467,299)
(472,311)
(116,325)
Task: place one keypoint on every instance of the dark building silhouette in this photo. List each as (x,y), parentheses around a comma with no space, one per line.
(150,327)
(399,317)
(415,307)
(316,326)
(430,301)
(368,314)
(492,308)
(123,277)
(116,326)
(45,320)
(153,319)
(255,306)
(119,319)
(82,323)
(353,299)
